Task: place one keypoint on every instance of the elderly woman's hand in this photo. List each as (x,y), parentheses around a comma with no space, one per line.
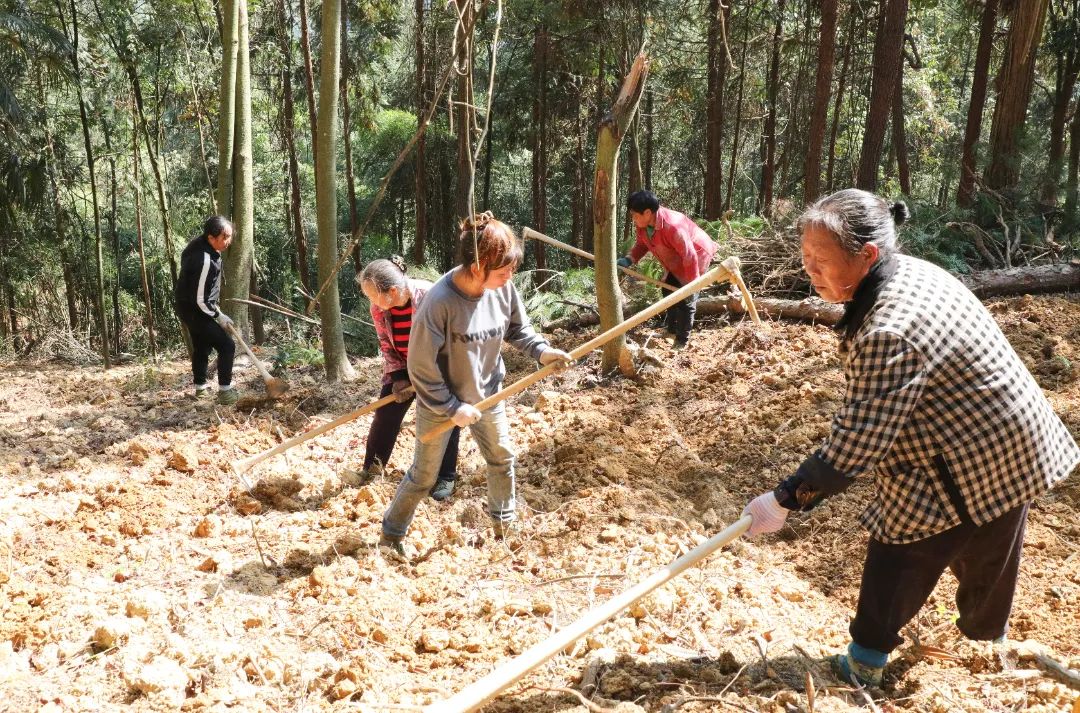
(768,515)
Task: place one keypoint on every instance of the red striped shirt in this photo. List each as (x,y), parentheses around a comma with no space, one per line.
(400,326)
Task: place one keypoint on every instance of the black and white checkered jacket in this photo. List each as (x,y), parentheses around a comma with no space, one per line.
(938,406)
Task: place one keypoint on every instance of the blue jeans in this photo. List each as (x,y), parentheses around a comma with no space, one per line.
(492,435)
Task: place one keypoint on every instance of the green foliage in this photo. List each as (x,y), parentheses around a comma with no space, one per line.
(146,380)
(296,353)
(745,227)
(562,293)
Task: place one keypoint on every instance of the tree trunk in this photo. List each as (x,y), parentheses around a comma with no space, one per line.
(736,134)
(464,109)
(115,235)
(838,104)
(257,328)
(346,131)
(768,166)
(420,200)
(336,361)
(1066,70)
(648,140)
(99,266)
(965,190)
(199,121)
(903,169)
(1062,277)
(589,227)
(309,79)
(793,121)
(227,103)
(147,299)
(888,54)
(289,131)
(1072,181)
(1013,93)
(577,195)
(238,258)
(714,108)
(609,137)
(539,141)
(822,84)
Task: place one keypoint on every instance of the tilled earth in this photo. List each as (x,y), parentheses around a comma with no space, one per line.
(136,570)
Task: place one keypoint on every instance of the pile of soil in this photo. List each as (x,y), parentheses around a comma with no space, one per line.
(136,569)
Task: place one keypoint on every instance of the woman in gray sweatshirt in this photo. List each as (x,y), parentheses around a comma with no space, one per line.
(455,361)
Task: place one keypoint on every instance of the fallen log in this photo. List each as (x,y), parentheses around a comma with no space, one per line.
(1027,280)
(808,310)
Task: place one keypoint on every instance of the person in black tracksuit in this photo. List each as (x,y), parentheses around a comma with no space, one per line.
(196,303)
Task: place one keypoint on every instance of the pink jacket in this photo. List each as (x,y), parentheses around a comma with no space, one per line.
(393,360)
(683,248)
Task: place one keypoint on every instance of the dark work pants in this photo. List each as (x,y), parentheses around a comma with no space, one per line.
(206,336)
(898,579)
(679,319)
(385,428)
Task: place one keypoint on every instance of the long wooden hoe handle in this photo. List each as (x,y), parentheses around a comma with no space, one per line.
(242,466)
(732,263)
(491,685)
(530,233)
(716,274)
(258,364)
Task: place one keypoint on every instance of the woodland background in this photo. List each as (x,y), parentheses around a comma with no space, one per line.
(124,124)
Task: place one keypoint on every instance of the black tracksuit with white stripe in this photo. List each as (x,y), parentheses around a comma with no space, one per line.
(196,303)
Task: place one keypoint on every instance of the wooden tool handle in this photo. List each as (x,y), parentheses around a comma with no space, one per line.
(242,466)
(231,329)
(490,686)
(530,233)
(719,272)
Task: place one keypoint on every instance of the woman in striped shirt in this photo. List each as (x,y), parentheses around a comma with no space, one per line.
(394,297)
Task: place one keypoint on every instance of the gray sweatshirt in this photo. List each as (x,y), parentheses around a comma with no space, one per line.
(454,346)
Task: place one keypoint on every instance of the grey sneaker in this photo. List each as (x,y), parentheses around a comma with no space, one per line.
(228,397)
(394,544)
(203,393)
(443,489)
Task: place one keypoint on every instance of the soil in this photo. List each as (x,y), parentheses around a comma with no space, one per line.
(136,570)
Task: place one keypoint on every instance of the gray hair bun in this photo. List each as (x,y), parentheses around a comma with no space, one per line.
(900,213)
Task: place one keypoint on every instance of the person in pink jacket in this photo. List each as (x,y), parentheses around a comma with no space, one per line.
(683,248)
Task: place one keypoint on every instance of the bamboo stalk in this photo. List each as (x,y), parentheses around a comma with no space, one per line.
(242,466)
(714,275)
(480,692)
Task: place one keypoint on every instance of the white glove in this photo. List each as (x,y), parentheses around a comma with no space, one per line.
(466,415)
(556,356)
(223,319)
(768,515)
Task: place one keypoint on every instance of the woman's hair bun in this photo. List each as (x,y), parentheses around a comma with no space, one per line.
(399,263)
(477,222)
(900,213)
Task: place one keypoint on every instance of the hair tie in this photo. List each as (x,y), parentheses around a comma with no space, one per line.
(399,263)
(900,213)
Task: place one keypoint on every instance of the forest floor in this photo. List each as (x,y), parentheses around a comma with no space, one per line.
(135,570)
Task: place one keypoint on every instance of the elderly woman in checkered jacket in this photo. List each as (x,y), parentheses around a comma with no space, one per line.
(941,412)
